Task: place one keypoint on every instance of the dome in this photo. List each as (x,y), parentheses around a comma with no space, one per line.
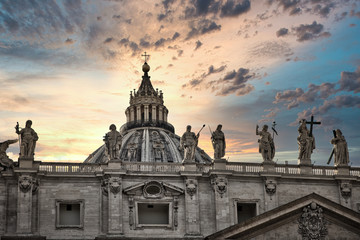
(147,136)
(149,144)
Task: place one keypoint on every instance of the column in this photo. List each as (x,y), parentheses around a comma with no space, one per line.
(132,114)
(146,110)
(127,115)
(192,210)
(161,113)
(153,114)
(165,114)
(138,113)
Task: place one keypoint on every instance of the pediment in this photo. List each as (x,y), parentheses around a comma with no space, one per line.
(330,218)
(153,189)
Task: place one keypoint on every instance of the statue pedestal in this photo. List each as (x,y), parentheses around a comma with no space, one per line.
(26,162)
(305,166)
(343,170)
(114,164)
(269,166)
(219,164)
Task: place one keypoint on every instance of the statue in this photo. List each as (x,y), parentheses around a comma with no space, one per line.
(266,144)
(340,149)
(28,139)
(188,143)
(112,141)
(218,142)
(5,161)
(306,142)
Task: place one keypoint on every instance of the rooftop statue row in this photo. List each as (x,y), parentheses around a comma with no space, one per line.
(306,142)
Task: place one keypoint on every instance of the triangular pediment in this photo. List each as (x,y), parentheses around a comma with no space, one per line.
(150,188)
(335,216)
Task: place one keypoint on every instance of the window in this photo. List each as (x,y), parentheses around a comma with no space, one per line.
(69,214)
(153,214)
(245,209)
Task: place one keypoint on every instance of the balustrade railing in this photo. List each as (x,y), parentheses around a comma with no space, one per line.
(154,167)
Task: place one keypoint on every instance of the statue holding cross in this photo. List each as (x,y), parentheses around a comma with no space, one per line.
(306,141)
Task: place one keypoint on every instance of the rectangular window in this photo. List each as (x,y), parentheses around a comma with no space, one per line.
(69,214)
(245,211)
(153,214)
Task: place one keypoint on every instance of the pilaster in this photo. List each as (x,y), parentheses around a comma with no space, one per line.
(222,203)
(192,210)
(153,114)
(146,112)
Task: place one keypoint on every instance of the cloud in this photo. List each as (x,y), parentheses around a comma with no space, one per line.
(69,41)
(305,32)
(109,40)
(231,9)
(350,81)
(197,81)
(282,32)
(198,44)
(234,82)
(201,8)
(201,27)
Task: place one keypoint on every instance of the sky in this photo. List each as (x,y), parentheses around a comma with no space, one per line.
(69,66)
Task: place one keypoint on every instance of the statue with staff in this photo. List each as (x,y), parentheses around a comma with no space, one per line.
(340,149)
(218,142)
(188,143)
(28,138)
(266,144)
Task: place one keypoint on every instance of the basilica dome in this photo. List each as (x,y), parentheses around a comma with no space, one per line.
(147,136)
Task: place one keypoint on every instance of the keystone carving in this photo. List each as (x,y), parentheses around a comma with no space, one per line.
(220,185)
(312,225)
(113,183)
(191,187)
(345,189)
(27,183)
(270,187)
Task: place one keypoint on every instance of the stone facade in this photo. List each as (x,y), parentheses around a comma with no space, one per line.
(198,202)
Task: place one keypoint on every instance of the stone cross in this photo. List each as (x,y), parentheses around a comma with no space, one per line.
(311,124)
(145,55)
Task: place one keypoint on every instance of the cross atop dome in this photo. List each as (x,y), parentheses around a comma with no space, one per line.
(146,56)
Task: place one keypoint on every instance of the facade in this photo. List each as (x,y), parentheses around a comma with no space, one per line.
(148,192)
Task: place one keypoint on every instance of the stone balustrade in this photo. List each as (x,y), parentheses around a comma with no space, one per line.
(235,167)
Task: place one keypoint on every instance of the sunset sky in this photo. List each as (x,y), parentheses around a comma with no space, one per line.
(69,66)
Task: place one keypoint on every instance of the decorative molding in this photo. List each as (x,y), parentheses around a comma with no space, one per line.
(153,189)
(131,212)
(191,187)
(312,224)
(104,187)
(220,185)
(270,187)
(27,183)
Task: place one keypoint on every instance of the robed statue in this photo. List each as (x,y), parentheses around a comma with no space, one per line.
(306,142)
(28,139)
(266,144)
(188,143)
(5,161)
(340,149)
(218,142)
(112,141)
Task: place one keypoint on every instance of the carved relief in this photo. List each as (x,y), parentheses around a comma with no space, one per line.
(191,187)
(27,182)
(220,185)
(345,189)
(270,187)
(131,212)
(312,224)
(176,207)
(113,183)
